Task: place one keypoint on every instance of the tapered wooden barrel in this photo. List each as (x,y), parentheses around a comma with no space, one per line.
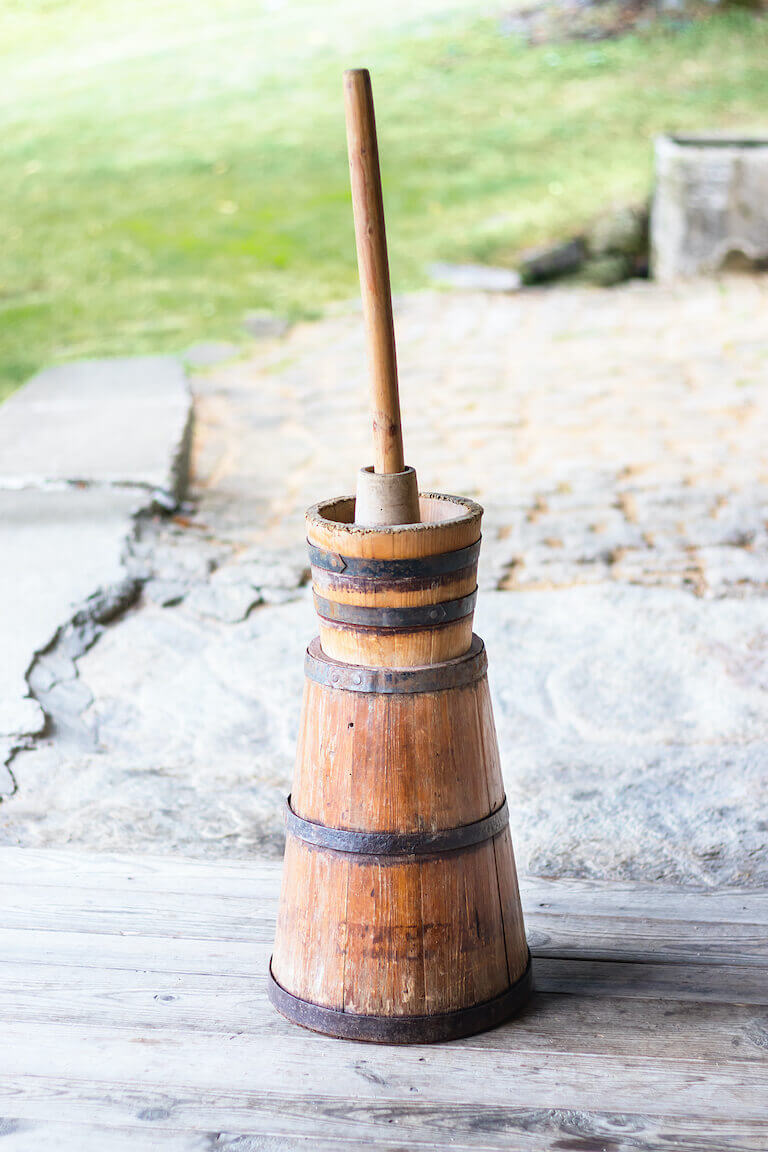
(399,916)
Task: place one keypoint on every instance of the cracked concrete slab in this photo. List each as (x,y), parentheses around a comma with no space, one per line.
(122,421)
(58,548)
(81,455)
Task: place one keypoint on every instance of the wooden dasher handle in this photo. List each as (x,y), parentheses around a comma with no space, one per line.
(368,209)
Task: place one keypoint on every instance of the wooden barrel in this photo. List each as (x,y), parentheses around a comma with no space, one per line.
(399,917)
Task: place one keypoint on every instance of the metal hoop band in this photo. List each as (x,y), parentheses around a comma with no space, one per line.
(456,673)
(403,1029)
(388,570)
(420,616)
(396,843)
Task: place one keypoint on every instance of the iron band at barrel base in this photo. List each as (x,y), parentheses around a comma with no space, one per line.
(397,843)
(415,616)
(403,1029)
(456,673)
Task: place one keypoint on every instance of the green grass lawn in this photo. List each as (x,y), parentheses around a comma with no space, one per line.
(168,167)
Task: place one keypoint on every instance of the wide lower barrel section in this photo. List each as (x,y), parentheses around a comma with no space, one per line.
(399,916)
(395,596)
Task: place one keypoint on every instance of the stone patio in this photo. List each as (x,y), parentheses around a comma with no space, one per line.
(617,441)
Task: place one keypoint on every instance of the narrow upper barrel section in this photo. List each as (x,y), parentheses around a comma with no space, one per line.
(395,596)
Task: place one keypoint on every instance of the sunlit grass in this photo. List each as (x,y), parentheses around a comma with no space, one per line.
(168,167)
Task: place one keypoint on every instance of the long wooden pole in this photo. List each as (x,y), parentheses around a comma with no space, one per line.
(373,265)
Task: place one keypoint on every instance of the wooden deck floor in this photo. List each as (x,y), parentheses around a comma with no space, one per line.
(134,1016)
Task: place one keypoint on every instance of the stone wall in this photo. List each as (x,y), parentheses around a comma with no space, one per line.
(710,208)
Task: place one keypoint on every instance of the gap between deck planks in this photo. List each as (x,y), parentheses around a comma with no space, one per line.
(132,996)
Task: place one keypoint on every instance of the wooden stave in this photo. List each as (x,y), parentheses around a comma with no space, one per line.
(403,953)
(390,648)
(403,783)
(424,580)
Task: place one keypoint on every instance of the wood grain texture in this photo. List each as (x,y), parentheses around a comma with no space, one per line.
(398,936)
(447,523)
(669,911)
(406,761)
(377,593)
(396,649)
(199,910)
(135,1015)
(373,266)
(410,938)
(267,1122)
(183,1062)
(574,1015)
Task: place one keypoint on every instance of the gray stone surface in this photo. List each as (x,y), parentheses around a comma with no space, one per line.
(475,277)
(710,204)
(265,325)
(543,264)
(57,549)
(620,231)
(66,512)
(624,576)
(633,726)
(99,422)
(209,352)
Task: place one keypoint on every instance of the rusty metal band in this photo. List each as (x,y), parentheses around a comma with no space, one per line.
(403,1029)
(456,673)
(387,570)
(418,616)
(396,843)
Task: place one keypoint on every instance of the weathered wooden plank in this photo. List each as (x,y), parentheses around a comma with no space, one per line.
(169,914)
(147,1118)
(259,878)
(226,1004)
(247,960)
(190,915)
(626,1056)
(592,937)
(441,1074)
(642,900)
(21,1135)
(130,950)
(724,983)
(71,868)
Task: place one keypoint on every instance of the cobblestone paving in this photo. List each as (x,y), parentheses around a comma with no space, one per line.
(610,435)
(617,441)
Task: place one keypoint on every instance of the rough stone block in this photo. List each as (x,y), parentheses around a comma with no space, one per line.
(122,421)
(710,207)
(475,277)
(621,231)
(543,264)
